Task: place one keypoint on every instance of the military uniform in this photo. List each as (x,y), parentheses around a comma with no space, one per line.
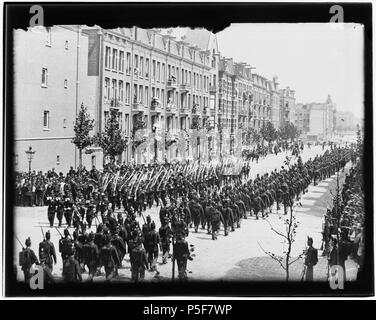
(51,210)
(227,217)
(29,258)
(165,234)
(110,259)
(68,210)
(47,253)
(60,210)
(65,245)
(215,223)
(152,241)
(71,270)
(91,255)
(138,262)
(181,255)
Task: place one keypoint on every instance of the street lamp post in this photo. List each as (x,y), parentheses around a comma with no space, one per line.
(30,155)
(155,143)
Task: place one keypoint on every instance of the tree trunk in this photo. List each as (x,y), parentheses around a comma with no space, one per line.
(79,158)
(287,270)
(290,238)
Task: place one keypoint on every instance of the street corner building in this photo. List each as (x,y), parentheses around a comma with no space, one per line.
(51,80)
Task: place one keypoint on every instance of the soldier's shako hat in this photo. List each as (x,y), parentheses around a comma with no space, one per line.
(28,242)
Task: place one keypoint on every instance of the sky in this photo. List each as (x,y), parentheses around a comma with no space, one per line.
(314,59)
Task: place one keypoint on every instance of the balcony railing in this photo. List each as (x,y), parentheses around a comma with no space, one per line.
(213,89)
(171,108)
(137,106)
(156,106)
(171,84)
(185,88)
(184,111)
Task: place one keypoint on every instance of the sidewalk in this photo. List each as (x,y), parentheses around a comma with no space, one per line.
(267,269)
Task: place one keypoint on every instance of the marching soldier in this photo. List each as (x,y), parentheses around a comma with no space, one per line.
(65,244)
(71,269)
(227,216)
(119,244)
(110,259)
(215,221)
(138,261)
(257,205)
(152,241)
(91,254)
(181,254)
(59,210)
(196,213)
(165,234)
(29,258)
(68,209)
(90,213)
(51,210)
(236,215)
(47,254)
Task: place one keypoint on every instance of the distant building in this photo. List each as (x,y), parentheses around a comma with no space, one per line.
(275,101)
(50,83)
(287,105)
(261,101)
(322,120)
(302,115)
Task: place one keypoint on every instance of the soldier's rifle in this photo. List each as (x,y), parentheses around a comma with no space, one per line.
(42,232)
(168,177)
(162,179)
(133,181)
(59,232)
(128,179)
(138,184)
(20,242)
(96,221)
(143,217)
(153,178)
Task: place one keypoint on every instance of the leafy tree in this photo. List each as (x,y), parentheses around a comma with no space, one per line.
(268,132)
(256,137)
(252,136)
(288,131)
(112,140)
(82,127)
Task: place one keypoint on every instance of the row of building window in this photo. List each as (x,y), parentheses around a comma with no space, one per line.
(114,60)
(114,89)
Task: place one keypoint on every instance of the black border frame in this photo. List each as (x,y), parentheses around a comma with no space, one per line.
(214,17)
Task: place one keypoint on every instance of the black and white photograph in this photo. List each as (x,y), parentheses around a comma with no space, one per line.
(182,154)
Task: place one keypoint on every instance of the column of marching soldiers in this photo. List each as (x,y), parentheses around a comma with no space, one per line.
(207,202)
